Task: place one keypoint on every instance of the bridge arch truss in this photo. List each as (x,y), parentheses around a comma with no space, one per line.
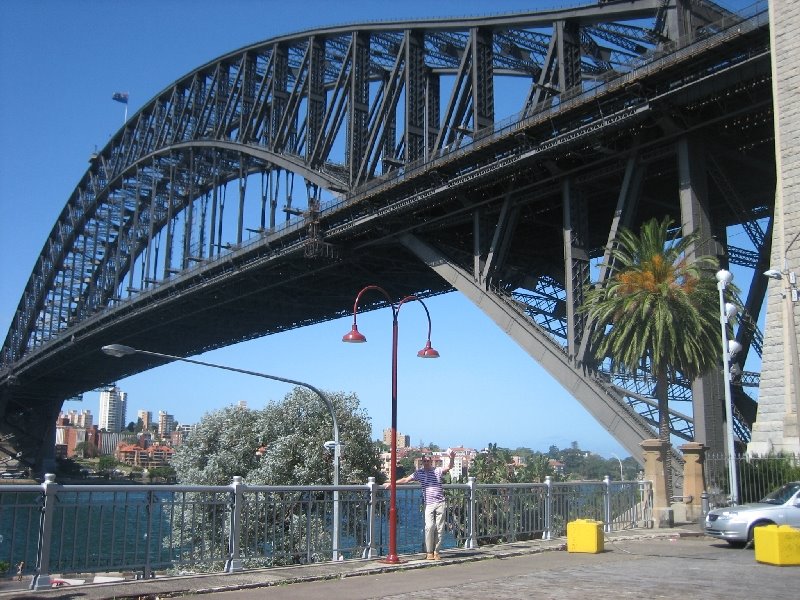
(316,159)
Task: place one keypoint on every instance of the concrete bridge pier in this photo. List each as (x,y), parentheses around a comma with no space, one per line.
(655,454)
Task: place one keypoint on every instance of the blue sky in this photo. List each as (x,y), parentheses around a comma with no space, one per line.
(60,62)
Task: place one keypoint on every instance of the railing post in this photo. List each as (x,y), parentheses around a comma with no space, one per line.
(41,578)
(309,543)
(472,537)
(607,504)
(373,502)
(548,509)
(148,573)
(234,562)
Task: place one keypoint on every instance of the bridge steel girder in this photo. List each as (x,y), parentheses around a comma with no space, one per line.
(707,391)
(358,105)
(576,264)
(251,99)
(613,413)
(158,191)
(416,79)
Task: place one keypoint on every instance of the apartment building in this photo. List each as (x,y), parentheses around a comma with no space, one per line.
(113,407)
(136,455)
(403,441)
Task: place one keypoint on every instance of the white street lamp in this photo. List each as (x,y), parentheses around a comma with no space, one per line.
(726,312)
(120,350)
(621,477)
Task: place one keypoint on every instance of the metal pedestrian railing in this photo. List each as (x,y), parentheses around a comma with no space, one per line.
(136,530)
(756,476)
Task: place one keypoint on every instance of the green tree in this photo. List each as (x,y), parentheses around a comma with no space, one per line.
(657,310)
(289,437)
(496,465)
(290,434)
(537,467)
(597,467)
(106,463)
(85,450)
(166,474)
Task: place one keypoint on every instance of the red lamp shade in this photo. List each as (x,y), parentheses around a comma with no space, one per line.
(354,336)
(428,351)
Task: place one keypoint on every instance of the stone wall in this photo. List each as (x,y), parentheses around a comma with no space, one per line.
(776,427)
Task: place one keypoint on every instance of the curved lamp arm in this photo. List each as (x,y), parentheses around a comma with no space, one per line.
(120,350)
(355,336)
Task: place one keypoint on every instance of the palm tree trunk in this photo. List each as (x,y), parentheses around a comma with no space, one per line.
(662,395)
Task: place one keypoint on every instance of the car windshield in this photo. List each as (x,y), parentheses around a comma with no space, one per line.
(782,494)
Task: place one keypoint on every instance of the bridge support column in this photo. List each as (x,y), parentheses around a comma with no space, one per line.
(708,408)
(48,453)
(656,462)
(777,426)
(694,455)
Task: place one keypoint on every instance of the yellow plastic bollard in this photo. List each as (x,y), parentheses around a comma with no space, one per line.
(585,535)
(777,545)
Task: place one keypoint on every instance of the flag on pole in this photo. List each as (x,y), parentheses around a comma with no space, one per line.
(120,97)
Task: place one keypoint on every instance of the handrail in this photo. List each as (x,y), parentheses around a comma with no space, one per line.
(168,528)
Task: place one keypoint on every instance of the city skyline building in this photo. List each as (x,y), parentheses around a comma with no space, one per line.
(166,424)
(146,417)
(113,409)
(403,441)
(83,419)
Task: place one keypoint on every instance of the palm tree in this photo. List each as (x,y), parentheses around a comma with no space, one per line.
(657,310)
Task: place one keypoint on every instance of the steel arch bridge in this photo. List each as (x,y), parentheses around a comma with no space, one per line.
(257,193)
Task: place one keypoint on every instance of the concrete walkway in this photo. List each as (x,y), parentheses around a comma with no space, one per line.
(643,561)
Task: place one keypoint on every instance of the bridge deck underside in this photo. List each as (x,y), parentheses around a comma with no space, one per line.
(512,182)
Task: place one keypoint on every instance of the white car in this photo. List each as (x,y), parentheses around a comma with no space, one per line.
(735,524)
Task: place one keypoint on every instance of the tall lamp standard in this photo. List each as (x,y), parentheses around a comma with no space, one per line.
(726,312)
(621,476)
(120,351)
(354,336)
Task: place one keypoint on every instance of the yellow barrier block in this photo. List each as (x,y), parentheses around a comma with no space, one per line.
(585,535)
(777,545)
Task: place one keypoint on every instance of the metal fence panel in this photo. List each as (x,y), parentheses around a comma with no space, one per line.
(757,476)
(138,529)
(286,526)
(20,512)
(510,512)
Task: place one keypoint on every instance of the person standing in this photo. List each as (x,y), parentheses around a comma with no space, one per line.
(430,479)
(20,570)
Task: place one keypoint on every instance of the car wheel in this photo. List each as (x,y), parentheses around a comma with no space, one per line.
(751,538)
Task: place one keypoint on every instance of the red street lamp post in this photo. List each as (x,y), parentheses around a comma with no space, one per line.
(354,336)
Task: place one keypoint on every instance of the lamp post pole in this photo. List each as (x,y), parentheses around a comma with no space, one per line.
(621,477)
(795,356)
(354,336)
(120,350)
(726,312)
